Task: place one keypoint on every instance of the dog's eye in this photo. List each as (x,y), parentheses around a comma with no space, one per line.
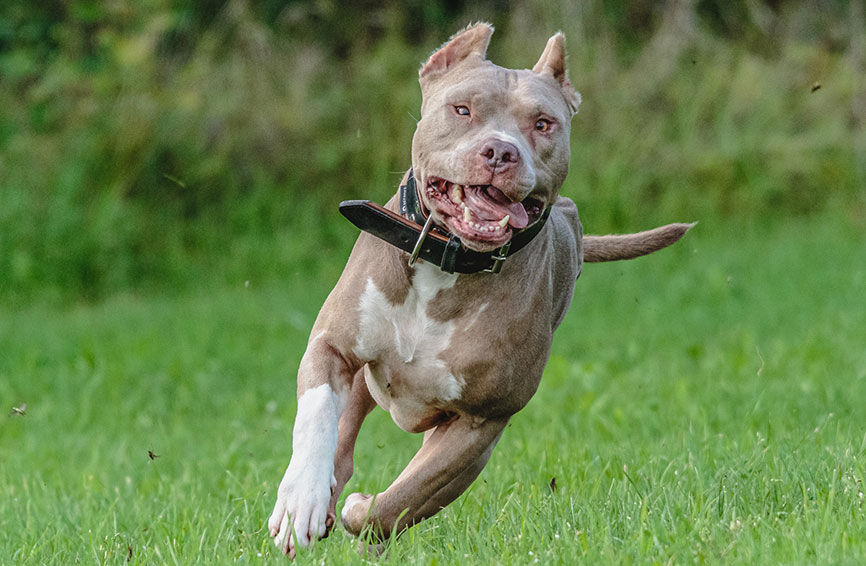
(542,125)
(462,110)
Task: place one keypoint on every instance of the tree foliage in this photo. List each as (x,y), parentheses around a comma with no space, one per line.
(152,144)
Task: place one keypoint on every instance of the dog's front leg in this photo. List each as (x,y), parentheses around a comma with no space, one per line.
(358,407)
(449,460)
(300,515)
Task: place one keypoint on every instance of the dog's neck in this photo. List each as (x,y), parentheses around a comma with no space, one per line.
(411,205)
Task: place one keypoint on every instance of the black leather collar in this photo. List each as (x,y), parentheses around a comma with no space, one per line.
(438,247)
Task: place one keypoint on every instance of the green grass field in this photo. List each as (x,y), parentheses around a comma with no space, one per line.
(701,406)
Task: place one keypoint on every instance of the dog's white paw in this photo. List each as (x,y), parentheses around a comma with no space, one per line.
(301,511)
(352,500)
(300,515)
(355,512)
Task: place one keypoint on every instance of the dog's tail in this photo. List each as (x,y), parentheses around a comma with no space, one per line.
(629,246)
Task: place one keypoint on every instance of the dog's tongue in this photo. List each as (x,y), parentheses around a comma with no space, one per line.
(489,203)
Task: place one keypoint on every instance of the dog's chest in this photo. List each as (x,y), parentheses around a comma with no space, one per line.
(405,350)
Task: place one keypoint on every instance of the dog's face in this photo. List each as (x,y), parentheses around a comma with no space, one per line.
(491,149)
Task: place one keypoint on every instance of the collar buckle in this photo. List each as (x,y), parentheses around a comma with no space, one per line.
(413,257)
(499,258)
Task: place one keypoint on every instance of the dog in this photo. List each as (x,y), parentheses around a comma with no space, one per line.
(452,338)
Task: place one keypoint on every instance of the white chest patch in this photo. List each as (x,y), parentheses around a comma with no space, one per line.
(403,334)
(406,327)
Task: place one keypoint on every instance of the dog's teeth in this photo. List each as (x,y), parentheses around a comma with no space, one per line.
(467,216)
(504,222)
(457,196)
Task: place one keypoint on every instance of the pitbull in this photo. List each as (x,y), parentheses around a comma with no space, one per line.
(452,349)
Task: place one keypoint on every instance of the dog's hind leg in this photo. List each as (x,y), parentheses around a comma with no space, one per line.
(358,407)
(447,463)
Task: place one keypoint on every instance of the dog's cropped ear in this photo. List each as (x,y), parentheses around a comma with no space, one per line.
(469,43)
(552,62)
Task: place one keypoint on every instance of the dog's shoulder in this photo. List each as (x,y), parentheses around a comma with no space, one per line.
(566,261)
(565,211)
(566,232)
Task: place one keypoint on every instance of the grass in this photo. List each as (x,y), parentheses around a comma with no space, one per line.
(701,406)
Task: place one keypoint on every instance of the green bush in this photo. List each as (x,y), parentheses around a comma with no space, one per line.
(153,146)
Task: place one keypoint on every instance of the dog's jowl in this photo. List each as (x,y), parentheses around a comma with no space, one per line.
(447,328)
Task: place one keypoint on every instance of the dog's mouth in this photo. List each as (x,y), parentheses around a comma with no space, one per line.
(480,215)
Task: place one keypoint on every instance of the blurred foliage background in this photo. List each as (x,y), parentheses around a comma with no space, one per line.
(158,146)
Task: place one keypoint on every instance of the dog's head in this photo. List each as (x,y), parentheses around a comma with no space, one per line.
(491,149)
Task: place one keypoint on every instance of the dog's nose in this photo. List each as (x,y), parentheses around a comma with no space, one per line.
(499,155)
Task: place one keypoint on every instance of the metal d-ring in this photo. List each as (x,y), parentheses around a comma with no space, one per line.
(499,258)
(417,249)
